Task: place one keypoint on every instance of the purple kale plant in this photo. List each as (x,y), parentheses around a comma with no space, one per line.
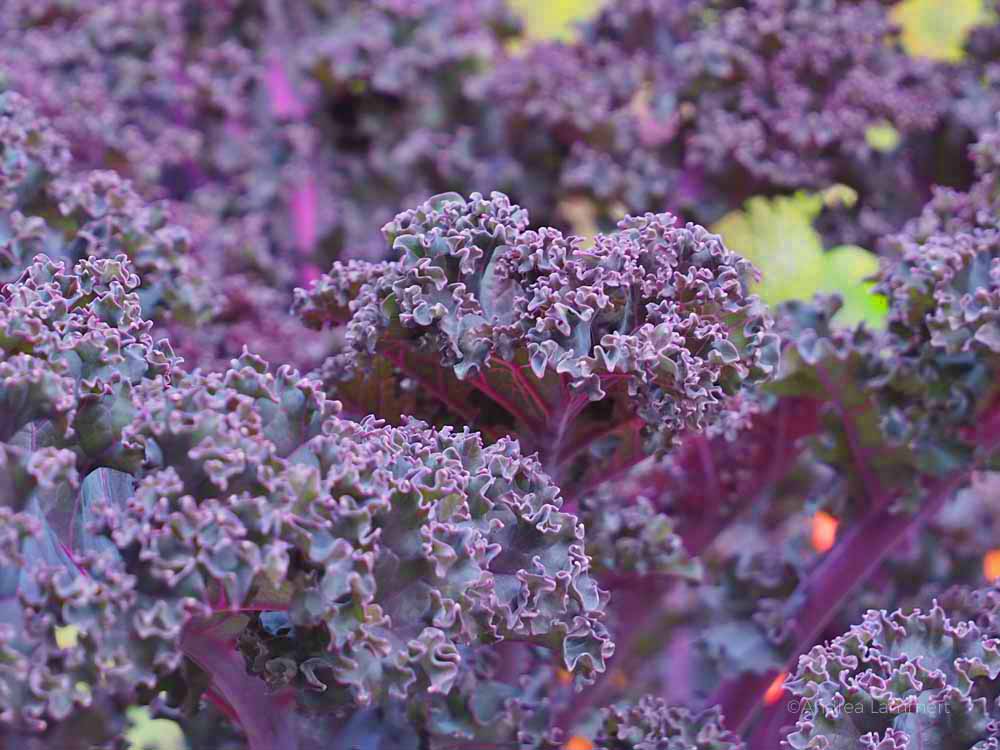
(369,379)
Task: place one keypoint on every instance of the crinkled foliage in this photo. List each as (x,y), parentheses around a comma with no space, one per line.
(897,681)
(46,207)
(161,515)
(650,723)
(651,329)
(540,491)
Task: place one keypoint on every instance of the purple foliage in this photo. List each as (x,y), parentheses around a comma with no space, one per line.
(503,486)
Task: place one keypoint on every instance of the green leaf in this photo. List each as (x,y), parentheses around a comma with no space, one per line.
(554,19)
(777,235)
(936,29)
(846,269)
(882,137)
(153,734)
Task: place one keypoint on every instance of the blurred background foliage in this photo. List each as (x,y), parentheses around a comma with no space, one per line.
(777,234)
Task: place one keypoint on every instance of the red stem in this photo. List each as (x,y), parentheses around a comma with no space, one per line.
(527,387)
(480,382)
(873,488)
(266,718)
(583,442)
(398,359)
(219,702)
(698,533)
(599,477)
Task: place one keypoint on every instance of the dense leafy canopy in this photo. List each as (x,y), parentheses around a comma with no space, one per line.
(369,379)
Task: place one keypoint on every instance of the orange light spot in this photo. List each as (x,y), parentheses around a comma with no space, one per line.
(991,565)
(824,531)
(564,677)
(576,742)
(618,679)
(773,694)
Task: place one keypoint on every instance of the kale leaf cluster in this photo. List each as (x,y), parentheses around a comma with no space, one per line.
(369,379)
